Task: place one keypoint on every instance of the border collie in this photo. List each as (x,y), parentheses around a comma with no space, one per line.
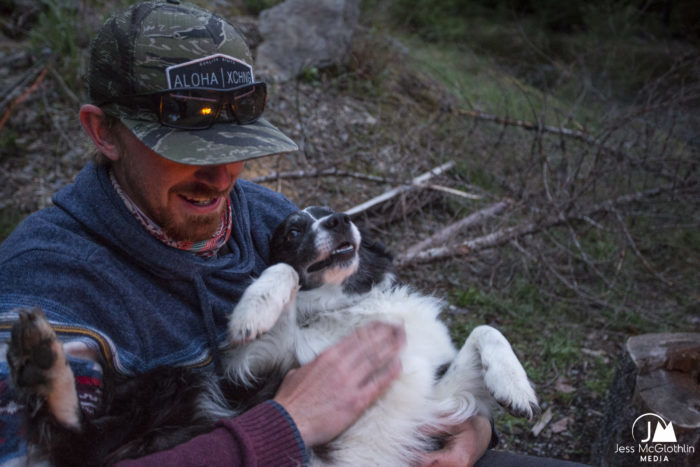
(327,280)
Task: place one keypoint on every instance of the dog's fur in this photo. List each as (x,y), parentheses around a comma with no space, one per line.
(328,280)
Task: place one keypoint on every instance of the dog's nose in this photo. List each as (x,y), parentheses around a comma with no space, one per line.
(337,221)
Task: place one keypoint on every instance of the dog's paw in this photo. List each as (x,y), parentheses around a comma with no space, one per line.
(33,352)
(509,385)
(39,369)
(262,303)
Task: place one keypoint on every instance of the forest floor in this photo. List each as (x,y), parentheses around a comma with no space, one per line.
(567,295)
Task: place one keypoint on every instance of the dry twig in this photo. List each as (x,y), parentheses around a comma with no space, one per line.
(415,183)
(445,235)
(21,98)
(506,235)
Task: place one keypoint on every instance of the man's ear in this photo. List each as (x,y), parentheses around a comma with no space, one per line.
(95,124)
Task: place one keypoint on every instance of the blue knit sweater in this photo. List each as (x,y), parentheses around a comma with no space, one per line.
(98,274)
(100,277)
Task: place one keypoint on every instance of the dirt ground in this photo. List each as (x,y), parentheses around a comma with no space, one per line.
(42,147)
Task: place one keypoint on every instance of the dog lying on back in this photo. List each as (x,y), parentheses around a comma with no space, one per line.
(326,281)
(346,281)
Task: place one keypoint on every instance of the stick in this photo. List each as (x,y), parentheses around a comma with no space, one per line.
(500,237)
(452,191)
(13,90)
(333,172)
(64,87)
(415,183)
(446,234)
(23,97)
(581,135)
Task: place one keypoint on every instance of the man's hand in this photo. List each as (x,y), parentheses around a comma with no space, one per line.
(327,395)
(465,445)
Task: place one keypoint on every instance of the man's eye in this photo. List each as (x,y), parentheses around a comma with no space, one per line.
(292,234)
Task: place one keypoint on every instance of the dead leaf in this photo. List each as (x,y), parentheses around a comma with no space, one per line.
(561,425)
(563,386)
(544,419)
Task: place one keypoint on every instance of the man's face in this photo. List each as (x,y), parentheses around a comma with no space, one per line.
(186,201)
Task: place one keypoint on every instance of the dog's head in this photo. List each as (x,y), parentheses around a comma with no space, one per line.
(326,248)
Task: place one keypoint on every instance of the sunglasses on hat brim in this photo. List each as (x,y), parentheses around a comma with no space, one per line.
(199,109)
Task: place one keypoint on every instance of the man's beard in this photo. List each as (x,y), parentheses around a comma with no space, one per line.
(194,228)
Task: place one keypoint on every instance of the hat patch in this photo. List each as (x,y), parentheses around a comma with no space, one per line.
(213,72)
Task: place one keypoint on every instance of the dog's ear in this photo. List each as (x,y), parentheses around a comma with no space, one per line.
(378,249)
(374,246)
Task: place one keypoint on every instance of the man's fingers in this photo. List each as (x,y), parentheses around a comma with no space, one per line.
(328,394)
(377,382)
(372,348)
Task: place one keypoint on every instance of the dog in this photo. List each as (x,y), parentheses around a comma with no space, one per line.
(327,279)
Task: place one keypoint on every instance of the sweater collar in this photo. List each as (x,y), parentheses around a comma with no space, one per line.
(204,248)
(93,201)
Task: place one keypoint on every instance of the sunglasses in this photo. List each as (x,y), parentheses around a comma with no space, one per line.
(199,109)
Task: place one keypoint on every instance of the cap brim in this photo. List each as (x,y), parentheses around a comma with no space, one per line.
(223,143)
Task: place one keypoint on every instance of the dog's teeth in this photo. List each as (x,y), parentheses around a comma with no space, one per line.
(345,249)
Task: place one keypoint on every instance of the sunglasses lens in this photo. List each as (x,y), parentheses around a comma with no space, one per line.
(199,109)
(247,104)
(188,109)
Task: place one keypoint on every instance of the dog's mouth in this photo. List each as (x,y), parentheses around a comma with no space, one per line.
(342,253)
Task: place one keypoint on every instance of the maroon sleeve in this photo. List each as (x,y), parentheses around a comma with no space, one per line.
(265,435)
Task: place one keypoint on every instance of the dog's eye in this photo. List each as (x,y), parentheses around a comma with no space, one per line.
(292,234)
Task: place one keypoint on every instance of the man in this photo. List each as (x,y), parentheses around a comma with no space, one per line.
(141,260)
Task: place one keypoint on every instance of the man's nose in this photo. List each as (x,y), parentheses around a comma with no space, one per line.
(215,175)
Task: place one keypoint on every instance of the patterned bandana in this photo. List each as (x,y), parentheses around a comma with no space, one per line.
(204,248)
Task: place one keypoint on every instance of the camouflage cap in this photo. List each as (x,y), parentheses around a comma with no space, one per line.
(155,46)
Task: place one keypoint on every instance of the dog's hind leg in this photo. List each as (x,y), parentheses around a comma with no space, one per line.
(504,375)
(39,369)
(487,366)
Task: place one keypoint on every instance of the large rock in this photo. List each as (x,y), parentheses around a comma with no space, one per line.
(657,384)
(301,34)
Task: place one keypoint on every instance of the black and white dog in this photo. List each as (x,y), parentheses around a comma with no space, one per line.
(346,281)
(326,281)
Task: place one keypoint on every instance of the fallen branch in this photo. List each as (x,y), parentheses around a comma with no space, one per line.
(500,237)
(577,134)
(638,253)
(415,183)
(12,91)
(64,87)
(445,235)
(452,191)
(23,96)
(333,172)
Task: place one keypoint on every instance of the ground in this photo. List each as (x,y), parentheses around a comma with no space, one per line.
(567,296)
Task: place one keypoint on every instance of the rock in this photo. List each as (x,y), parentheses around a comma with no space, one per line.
(656,386)
(303,34)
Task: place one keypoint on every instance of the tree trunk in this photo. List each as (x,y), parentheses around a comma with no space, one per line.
(657,384)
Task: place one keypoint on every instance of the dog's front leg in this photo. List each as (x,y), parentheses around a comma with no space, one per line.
(262,303)
(39,370)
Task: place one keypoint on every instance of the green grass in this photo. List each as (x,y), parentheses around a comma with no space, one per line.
(57,33)
(480,83)
(9,218)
